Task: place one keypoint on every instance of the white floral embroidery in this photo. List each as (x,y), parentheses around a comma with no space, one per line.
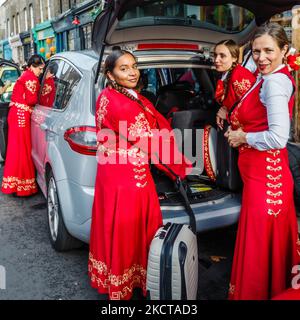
(46,89)
(31,85)
(141,127)
(273,213)
(102,110)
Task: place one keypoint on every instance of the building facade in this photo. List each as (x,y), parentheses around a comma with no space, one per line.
(73,28)
(26,27)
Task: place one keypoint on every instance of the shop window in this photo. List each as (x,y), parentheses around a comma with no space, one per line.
(87,36)
(71,39)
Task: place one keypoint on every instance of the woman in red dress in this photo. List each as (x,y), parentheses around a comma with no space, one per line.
(48,91)
(267,239)
(235,81)
(19,173)
(126,210)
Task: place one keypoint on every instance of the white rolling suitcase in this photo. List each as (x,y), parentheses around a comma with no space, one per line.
(172,272)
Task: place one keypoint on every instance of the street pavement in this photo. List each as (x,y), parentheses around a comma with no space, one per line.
(36,271)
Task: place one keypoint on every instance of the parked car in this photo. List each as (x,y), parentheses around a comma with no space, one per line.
(9,71)
(171,39)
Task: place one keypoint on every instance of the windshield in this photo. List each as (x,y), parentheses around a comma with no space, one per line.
(226,18)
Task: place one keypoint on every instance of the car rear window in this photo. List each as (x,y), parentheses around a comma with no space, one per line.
(227,18)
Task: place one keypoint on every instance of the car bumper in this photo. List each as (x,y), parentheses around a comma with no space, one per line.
(209,215)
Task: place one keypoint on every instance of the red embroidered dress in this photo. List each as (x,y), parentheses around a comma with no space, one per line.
(241,80)
(47,96)
(126,210)
(267,238)
(19,172)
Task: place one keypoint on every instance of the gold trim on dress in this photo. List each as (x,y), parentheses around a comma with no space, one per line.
(31,85)
(274,161)
(231,288)
(20,184)
(21,106)
(241,87)
(136,274)
(207,163)
(46,89)
(141,127)
(275,195)
(275,202)
(102,110)
(274,153)
(272,212)
(272,178)
(141,185)
(270,168)
(274,186)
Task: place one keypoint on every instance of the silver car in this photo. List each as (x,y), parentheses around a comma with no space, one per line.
(173,42)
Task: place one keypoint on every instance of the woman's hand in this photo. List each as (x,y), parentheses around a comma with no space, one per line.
(221,116)
(235,137)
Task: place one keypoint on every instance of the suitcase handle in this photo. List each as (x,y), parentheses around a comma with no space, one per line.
(183,193)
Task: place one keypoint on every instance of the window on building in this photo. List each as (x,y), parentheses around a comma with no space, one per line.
(49,9)
(18,23)
(25,19)
(71,39)
(87,36)
(42,10)
(31,16)
(8,28)
(14,25)
(60,6)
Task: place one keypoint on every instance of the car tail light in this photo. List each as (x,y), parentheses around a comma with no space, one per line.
(82,139)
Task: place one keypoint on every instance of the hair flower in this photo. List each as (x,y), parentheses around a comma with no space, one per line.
(294,61)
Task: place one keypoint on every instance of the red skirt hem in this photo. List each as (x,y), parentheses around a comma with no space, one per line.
(20,193)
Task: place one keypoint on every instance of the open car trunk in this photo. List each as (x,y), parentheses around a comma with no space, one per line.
(183,94)
(141,20)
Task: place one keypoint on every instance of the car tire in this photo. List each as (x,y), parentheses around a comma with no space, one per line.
(60,238)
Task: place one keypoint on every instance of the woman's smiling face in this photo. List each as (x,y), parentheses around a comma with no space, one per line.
(125,72)
(223,60)
(267,54)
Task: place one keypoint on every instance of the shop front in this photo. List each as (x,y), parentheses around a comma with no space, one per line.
(17,49)
(44,38)
(73,29)
(27,43)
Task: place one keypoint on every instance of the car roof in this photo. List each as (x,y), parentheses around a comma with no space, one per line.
(84,60)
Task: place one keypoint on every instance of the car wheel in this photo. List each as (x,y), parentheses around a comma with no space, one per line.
(60,238)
